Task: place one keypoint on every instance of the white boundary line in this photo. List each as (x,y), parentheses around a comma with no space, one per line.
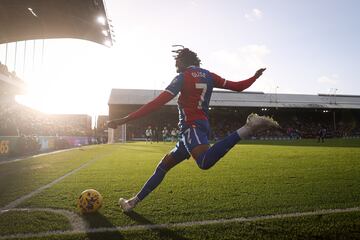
(182,224)
(76,221)
(18,201)
(43,154)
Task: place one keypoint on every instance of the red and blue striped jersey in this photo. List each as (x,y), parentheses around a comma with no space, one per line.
(195,86)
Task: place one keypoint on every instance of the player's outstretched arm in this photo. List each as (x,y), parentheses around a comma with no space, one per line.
(155,104)
(117,122)
(237,86)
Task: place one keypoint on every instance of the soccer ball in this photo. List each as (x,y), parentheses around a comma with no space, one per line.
(89,201)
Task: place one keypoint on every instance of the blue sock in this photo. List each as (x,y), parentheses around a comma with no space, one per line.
(153,181)
(208,159)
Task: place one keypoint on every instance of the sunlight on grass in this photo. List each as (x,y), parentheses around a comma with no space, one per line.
(251,180)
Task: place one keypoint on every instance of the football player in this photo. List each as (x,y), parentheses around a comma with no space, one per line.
(195,86)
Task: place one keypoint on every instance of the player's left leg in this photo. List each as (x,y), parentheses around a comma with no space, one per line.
(170,160)
(204,155)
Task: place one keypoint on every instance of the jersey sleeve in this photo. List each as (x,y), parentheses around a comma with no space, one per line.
(176,85)
(219,82)
(239,86)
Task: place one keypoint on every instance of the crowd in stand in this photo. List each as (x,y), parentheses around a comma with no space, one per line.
(29,126)
(309,126)
(295,126)
(18,120)
(5,71)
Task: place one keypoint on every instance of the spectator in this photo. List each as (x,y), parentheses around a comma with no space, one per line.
(173,135)
(165,133)
(148,134)
(321,134)
(156,135)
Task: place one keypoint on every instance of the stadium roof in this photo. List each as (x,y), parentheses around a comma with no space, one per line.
(245,99)
(43,19)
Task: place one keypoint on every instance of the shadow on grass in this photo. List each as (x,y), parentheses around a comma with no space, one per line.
(163,233)
(97,220)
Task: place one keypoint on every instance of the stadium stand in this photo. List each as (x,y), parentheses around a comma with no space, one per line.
(28,131)
(17,120)
(10,83)
(24,130)
(300,115)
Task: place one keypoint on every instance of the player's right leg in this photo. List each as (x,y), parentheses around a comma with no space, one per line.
(206,157)
(255,123)
(176,156)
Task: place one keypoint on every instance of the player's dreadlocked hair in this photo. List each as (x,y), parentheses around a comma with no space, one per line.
(185,57)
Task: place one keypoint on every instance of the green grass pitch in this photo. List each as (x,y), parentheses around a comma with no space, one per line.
(253,179)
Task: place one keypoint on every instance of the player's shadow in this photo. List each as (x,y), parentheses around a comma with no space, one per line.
(97,220)
(163,232)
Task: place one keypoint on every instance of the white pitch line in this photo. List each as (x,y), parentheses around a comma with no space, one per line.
(40,155)
(182,224)
(77,222)
(34,156)
(18,201)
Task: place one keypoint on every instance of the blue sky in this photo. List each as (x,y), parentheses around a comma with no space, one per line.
(308,47)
